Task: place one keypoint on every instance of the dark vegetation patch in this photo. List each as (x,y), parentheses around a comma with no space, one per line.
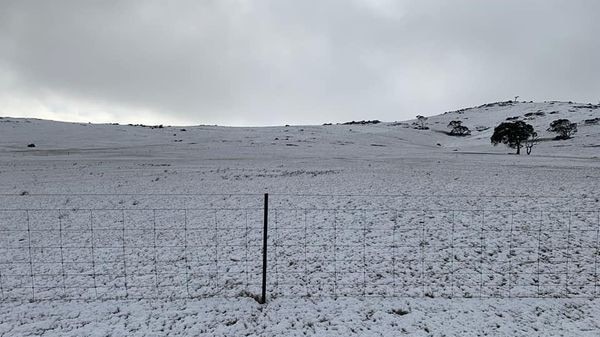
(399,312)
(487,105)
(592,121)
(533,114)
(160,126)
(457,129)
(363,122)
(588,106)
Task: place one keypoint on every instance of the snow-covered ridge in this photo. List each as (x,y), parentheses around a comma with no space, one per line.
(482,119)
(538,114)
(386,138)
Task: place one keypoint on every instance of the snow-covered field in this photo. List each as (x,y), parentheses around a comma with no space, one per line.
(451,231)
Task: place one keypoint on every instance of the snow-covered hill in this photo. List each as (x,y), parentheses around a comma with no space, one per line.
(388,165)
(389,157)
(384,139)
(481,121)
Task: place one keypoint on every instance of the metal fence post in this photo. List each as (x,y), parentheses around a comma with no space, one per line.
(263,297)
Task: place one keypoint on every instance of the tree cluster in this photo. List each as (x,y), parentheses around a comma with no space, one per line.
(519,134)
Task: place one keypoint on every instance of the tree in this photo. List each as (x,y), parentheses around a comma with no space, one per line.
(421,123)
(457,129)
(530,142)
(563,127)
(513,134)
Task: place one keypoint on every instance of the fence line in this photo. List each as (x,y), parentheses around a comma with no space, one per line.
(330,209)
(134,253)
(383,195)
(538,274)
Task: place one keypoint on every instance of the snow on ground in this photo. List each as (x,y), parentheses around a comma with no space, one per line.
(325,317)
(341,172)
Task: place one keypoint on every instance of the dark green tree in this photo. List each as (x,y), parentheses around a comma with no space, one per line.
(563,127)
(457,129)
(513,134)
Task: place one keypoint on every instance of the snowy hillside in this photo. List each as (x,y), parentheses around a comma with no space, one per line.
(482,120)
(57,138)
(449,230)
(387,158)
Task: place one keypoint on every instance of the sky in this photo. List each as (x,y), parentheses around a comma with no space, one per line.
(241,62)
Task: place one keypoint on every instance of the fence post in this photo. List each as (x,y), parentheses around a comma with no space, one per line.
(263,297)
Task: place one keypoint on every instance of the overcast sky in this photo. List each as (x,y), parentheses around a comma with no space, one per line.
(290,62)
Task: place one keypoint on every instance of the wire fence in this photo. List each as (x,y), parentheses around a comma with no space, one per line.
(432,253)
(134,254)
(141,253)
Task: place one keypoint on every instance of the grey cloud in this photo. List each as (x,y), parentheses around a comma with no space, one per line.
(277,62)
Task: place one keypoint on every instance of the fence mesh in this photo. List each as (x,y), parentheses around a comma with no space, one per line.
(99,253)
(141,253)
(429,253)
